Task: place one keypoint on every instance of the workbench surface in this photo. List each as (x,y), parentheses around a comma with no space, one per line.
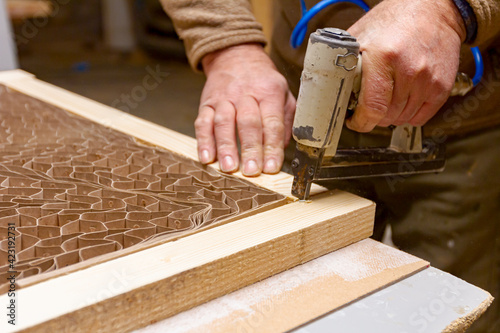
(427,301)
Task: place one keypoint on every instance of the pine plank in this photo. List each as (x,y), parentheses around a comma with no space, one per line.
(299,295)
(133,291)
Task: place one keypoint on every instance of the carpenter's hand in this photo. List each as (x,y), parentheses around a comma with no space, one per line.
(410,60)
(244,93)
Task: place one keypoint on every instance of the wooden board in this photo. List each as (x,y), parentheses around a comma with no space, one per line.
(155,283)
(162,280)
(143,130)
(299,295)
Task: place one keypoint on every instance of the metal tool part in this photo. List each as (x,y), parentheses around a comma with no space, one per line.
(463,84)
(326,85)
(305,165)
(371,162)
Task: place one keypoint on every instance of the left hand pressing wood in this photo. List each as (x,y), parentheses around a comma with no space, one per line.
(244,94)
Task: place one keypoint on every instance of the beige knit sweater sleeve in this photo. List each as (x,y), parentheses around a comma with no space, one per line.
(488,18)
(210,25)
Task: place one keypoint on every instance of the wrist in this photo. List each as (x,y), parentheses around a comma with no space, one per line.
(222,57)
(453,17)
(468,18)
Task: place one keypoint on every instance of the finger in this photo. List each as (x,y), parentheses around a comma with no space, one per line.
(204,129)
(375,97)
(415,103)
(225,136)
(418,96)
(290,105)
(437,94)
(249,123)
(426,112)
(399,100)
(273,127)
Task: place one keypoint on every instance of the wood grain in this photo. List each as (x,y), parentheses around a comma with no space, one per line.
(296,296)
(141,288)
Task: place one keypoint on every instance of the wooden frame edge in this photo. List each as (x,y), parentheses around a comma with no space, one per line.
(183,276)
(304,230)
(29,281)
(28,84)
(141,129)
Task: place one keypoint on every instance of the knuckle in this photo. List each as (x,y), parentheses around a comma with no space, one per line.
(376,108)
(282,82)
(250,149)
(418,68)
(222,119)
(388,52)
(274,149)
(440,89)
(441,85)
(278,80)
(421,67)
(249,121)
(202,122)
(410,72)
(274,126)
(274,85)
(225,147)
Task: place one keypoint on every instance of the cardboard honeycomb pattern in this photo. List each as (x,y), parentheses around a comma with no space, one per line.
(75,189)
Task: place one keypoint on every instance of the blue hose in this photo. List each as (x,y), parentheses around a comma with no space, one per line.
(300,30)
(478,60)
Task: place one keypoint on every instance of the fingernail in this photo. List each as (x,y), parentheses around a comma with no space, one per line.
(251,168)
(227,164)
(205,157)
(271,166)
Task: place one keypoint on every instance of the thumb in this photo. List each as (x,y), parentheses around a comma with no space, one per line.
(377,84)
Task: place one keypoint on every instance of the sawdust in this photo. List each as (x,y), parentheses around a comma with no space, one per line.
(349,264)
